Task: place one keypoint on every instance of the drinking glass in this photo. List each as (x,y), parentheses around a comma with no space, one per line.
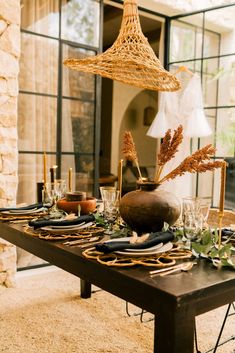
(54,192)
(59,188)
(205,205)
(104,189)
(192,217)
(111,207)
(104,194)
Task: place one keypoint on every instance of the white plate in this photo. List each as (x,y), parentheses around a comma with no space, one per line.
(147,252)
(68,226)
(62,230)
(155,247)
(22,212)
(134,250)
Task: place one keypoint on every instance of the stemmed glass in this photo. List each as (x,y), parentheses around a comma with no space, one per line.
(104,192)
(192,219)
(110,197)
(205,205)
(54,192)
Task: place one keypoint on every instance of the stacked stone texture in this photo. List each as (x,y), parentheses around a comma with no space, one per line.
(9,69)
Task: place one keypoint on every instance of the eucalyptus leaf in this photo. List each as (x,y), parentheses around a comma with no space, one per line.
(208,247)
(99,219)
(201,249)
(214,253)
(216,236)
(228,263)
(206,238)
(225,251)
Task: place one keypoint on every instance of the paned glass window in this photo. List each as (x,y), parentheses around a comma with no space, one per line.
(57,106)
(204,42)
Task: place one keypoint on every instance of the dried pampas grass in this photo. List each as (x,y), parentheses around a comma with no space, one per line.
(198,162)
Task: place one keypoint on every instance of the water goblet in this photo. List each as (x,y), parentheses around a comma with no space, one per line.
(205,205)
(192,226)
(55,192)
(104,193)
(46,195)
(59,188)
(111,208)
(192,219)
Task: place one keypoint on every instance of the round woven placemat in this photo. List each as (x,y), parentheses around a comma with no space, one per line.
(160,261)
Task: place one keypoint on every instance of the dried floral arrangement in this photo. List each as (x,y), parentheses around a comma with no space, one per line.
(198,162)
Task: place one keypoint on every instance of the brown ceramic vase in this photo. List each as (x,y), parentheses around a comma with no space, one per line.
(146,209)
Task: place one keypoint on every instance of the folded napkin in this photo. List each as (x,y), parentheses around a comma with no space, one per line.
(227,232)
(69,222)
(154,239)
(29,207)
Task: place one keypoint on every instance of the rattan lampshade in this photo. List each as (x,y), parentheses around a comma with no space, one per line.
(130,59)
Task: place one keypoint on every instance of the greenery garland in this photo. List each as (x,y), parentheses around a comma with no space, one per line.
(206,246)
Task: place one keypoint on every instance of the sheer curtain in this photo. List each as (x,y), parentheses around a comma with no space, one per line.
(183,107)
(37,109)
(38,104)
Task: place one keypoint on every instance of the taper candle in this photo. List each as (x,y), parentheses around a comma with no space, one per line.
(53,173)
(222,187)
(119,187)
(222,197)
(70,179)
(44,168)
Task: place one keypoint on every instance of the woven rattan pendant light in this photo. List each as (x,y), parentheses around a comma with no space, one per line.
(130,59)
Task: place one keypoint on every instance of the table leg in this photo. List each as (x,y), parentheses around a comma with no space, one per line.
(174,331)
(85,288)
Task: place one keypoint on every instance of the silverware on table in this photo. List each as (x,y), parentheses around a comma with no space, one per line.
(91,244)
(186,266)
(81,241)
(19,221)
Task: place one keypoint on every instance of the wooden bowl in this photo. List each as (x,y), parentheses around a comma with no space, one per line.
(75,196)
(87,206)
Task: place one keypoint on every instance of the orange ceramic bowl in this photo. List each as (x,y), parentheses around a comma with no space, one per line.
(87,206)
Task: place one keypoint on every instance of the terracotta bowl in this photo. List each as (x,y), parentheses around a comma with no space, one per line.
(87,206)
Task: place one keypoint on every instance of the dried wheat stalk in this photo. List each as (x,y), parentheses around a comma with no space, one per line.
(195,163)
(129,150)
(168,149)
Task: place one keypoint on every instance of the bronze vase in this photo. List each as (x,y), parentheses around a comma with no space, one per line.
(146,209)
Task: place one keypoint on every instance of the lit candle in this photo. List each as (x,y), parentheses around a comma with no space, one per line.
(44,168)
(53,173)
(70,179)
(120,163)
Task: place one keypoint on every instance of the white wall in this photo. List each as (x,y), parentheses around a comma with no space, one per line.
(122,96)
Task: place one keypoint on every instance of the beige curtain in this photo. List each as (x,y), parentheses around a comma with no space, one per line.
(181,186)
(38,114)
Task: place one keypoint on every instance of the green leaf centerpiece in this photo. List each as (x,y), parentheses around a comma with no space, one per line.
(207,246)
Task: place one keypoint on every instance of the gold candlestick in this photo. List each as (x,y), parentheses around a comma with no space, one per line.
(222,197)
(44,168)
(70,179)
(119,187)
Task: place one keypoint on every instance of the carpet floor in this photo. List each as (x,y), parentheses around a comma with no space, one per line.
(44,313)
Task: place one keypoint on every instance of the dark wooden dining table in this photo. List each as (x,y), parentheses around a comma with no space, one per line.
(175,300)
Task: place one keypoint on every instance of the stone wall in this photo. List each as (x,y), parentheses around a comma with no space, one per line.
(9,69)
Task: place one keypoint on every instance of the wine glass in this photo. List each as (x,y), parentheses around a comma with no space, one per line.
(104,195)
(205,205)
(111,207)
(192,219)
(55,191)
